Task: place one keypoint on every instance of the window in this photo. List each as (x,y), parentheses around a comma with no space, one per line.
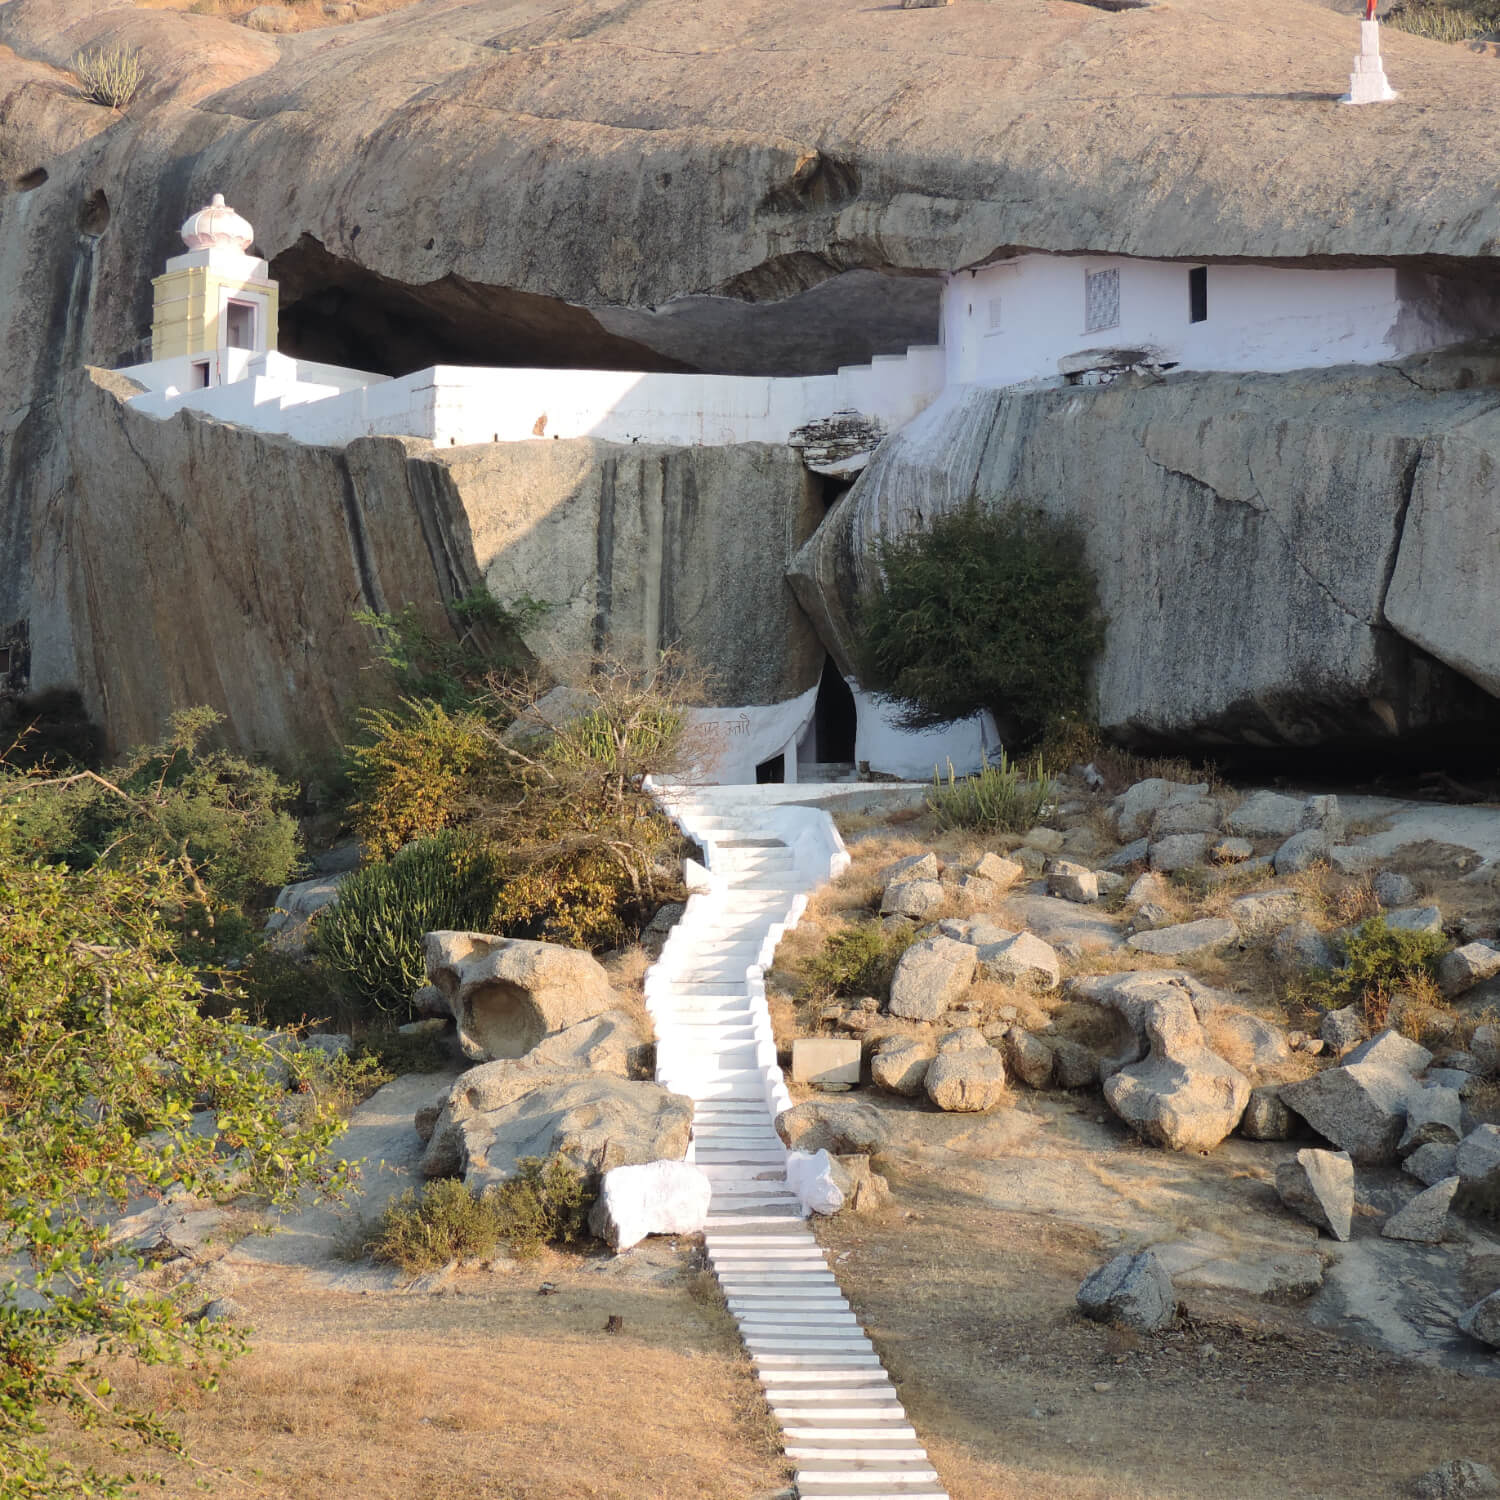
(1198,294)
(1101,300)
(241,325)
(200,374)
(996,322)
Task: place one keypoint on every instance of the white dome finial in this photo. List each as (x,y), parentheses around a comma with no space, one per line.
(218,227)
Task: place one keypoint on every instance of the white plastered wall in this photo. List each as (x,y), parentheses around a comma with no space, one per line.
(1013,321)
(459,405)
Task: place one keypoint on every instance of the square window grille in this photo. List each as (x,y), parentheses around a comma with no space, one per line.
(1101,300)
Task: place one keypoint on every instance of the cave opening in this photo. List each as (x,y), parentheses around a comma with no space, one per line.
(835,720)
(335,311)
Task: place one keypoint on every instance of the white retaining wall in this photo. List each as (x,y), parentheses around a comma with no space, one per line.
(457,405)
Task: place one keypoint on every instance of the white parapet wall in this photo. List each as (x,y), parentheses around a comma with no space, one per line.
(457,405)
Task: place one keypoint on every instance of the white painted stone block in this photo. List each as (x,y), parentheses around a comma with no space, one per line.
(659,1197)
(825,1059)
(811,1179)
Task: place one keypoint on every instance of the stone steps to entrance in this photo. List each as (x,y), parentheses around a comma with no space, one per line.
(842,1423)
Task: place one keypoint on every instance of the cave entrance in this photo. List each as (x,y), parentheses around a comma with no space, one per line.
(773,770)
(829,740)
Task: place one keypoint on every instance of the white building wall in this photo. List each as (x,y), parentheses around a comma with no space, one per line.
(1013,321)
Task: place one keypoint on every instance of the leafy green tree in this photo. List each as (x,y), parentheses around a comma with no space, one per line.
(222,819)
(981,610)
(104,1058)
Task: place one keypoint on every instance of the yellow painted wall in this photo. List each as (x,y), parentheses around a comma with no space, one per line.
(185,317)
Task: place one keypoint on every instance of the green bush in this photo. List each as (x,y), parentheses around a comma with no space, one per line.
(1378,962)
(371,937)
(1000,799)
(104,1058)
(223,819)
(398,1053)
(543,1203)
(447,1222)
(452,666)
(279,991)
(858,960)
(983,610)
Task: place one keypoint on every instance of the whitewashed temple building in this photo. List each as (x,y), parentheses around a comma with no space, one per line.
(1029,320)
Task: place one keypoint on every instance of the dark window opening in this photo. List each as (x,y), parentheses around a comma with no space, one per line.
(241,333)
(834,718)
(1198,294)
(200,374)
(771,770)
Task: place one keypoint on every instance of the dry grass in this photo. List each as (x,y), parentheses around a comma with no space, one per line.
(627,974)
(489,1391)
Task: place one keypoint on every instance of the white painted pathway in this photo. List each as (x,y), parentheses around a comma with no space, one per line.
(841,1421)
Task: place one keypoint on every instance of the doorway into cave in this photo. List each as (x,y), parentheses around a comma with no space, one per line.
(829,738)
(773,770)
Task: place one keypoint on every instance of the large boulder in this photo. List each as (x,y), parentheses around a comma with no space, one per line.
(1434,1116)
(1186,938)
(1072,882)
(1027,1057)
(841,1127)
(1360,1107)
(1263,912)
(967,1076)
(1467,966)
(900,1064)
(507,994)
(1182,1095)
(930,976)
(1138,805)
(1024,958)
(1389,1049)
(1482,1321)
(1319,1185)
(1133,1290)
(1264,815)
(297,906)
(594,1122)
(657,1197)
(1266,1118)
(912,898)
(1478,1159)
(1425,1219)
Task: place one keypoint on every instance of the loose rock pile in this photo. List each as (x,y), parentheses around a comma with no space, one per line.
(1185,1063)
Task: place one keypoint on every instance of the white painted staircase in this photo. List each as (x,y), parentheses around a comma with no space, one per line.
(842,1423)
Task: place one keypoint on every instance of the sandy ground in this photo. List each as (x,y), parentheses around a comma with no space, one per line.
(967,1284)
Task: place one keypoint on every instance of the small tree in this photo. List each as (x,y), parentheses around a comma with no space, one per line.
(983,610)
(104,1057)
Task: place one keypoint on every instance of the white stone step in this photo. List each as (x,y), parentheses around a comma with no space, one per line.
(843,1431)
(834,1360)
(726,1220)
(844,1450)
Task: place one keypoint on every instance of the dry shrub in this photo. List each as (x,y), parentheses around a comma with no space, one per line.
(1033,1009)
(626,968)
